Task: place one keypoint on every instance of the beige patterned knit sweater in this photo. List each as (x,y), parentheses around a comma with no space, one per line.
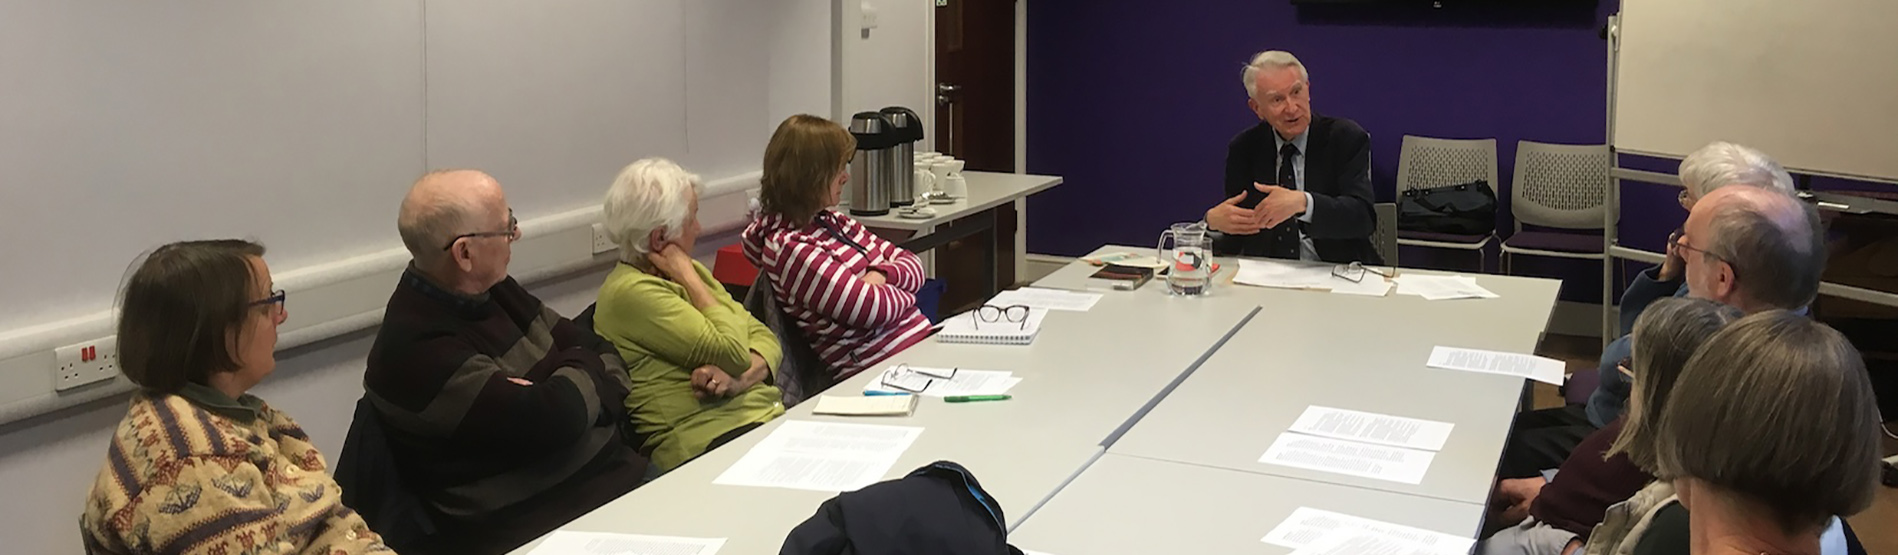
(199,472)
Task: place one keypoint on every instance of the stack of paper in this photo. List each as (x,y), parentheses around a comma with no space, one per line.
(1295,275)
(866,405)
(1047,299)
(1438,288)
(970,328)
(1308,526)
(1362,444)
(927,381)
(1288,275)
(563,542)
(821,456)
(1541,369)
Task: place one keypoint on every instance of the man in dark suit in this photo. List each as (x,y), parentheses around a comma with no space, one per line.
(1299,184)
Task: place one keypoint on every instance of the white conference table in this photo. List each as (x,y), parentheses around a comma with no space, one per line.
(1084,377)
(1124,504)
(1088,377)
(1357,353)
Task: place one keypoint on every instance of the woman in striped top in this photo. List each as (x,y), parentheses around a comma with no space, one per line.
(852,293)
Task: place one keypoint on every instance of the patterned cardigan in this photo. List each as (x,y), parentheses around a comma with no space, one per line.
(199,472)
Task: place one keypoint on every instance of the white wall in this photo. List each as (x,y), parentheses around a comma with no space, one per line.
(47,463)
(895,64)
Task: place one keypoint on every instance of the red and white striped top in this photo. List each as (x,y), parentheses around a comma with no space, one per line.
(816,273)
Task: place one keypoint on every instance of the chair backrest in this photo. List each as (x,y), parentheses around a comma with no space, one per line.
(1563,186)
(802,374)
(1425,162)
(1385,237)
(371,485)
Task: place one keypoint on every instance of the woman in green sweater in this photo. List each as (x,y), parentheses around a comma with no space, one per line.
(699,362)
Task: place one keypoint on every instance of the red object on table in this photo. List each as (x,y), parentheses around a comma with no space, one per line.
(731,267)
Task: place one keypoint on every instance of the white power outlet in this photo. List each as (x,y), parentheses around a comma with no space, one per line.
(601,242)
(84,363)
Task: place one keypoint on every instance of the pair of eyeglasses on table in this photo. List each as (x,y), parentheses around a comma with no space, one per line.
(894,378)
(1013,314)
(1355,271)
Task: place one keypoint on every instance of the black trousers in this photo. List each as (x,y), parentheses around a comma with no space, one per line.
(1542,439)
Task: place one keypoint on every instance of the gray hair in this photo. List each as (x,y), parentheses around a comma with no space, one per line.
(1722,163)
(1776,409)
(1665,337)
(430,218)
(1776,263)
(650,194)
(1270,59)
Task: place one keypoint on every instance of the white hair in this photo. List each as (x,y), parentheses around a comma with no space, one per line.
(650,194)
(1722,163)
(1271,59)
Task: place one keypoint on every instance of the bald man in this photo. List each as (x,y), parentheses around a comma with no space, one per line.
(504,417)
(1753,248)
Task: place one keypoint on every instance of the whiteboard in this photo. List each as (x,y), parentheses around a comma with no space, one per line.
(127,124)
(1810,82)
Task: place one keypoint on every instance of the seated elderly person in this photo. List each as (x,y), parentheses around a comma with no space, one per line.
(852,293)
(699,363)
(1556,516)
(199,465)
(1754,247)
(1769,438)
(504,416)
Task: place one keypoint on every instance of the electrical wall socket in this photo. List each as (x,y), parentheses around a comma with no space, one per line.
(601,242)
(84,363)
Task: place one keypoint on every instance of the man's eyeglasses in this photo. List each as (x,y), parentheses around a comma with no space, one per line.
(1680,242)
(904,378)
(1354,272)
(513,232)
(1014,314)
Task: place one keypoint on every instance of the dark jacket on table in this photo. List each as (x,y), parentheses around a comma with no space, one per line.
(1338,176)
(936,510)
(497,462)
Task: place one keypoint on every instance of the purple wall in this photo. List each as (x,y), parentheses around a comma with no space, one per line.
(1134,101)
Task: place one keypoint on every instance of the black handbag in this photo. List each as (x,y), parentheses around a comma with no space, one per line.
(1463,209)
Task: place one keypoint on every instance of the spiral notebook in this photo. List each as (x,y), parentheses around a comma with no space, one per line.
(966,328)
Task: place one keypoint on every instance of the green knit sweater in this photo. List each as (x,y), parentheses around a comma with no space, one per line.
(663,338)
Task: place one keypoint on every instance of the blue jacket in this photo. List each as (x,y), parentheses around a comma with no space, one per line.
(1611,394)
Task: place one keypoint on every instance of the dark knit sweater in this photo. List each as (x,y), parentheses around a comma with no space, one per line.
(1587,485)
(479,447)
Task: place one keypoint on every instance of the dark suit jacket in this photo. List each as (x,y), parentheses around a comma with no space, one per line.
(1338,176)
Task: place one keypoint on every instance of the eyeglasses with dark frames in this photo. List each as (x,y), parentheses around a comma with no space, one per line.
(1014,314)
(274,301)
(512,233)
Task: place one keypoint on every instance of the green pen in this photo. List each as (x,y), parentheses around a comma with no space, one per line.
(973,398)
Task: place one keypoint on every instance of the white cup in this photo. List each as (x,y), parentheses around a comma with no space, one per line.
(940,170)
(954,186)
(925,179)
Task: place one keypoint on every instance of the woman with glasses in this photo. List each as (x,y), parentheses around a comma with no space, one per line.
(199,465)
(851,293)
(699,363)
